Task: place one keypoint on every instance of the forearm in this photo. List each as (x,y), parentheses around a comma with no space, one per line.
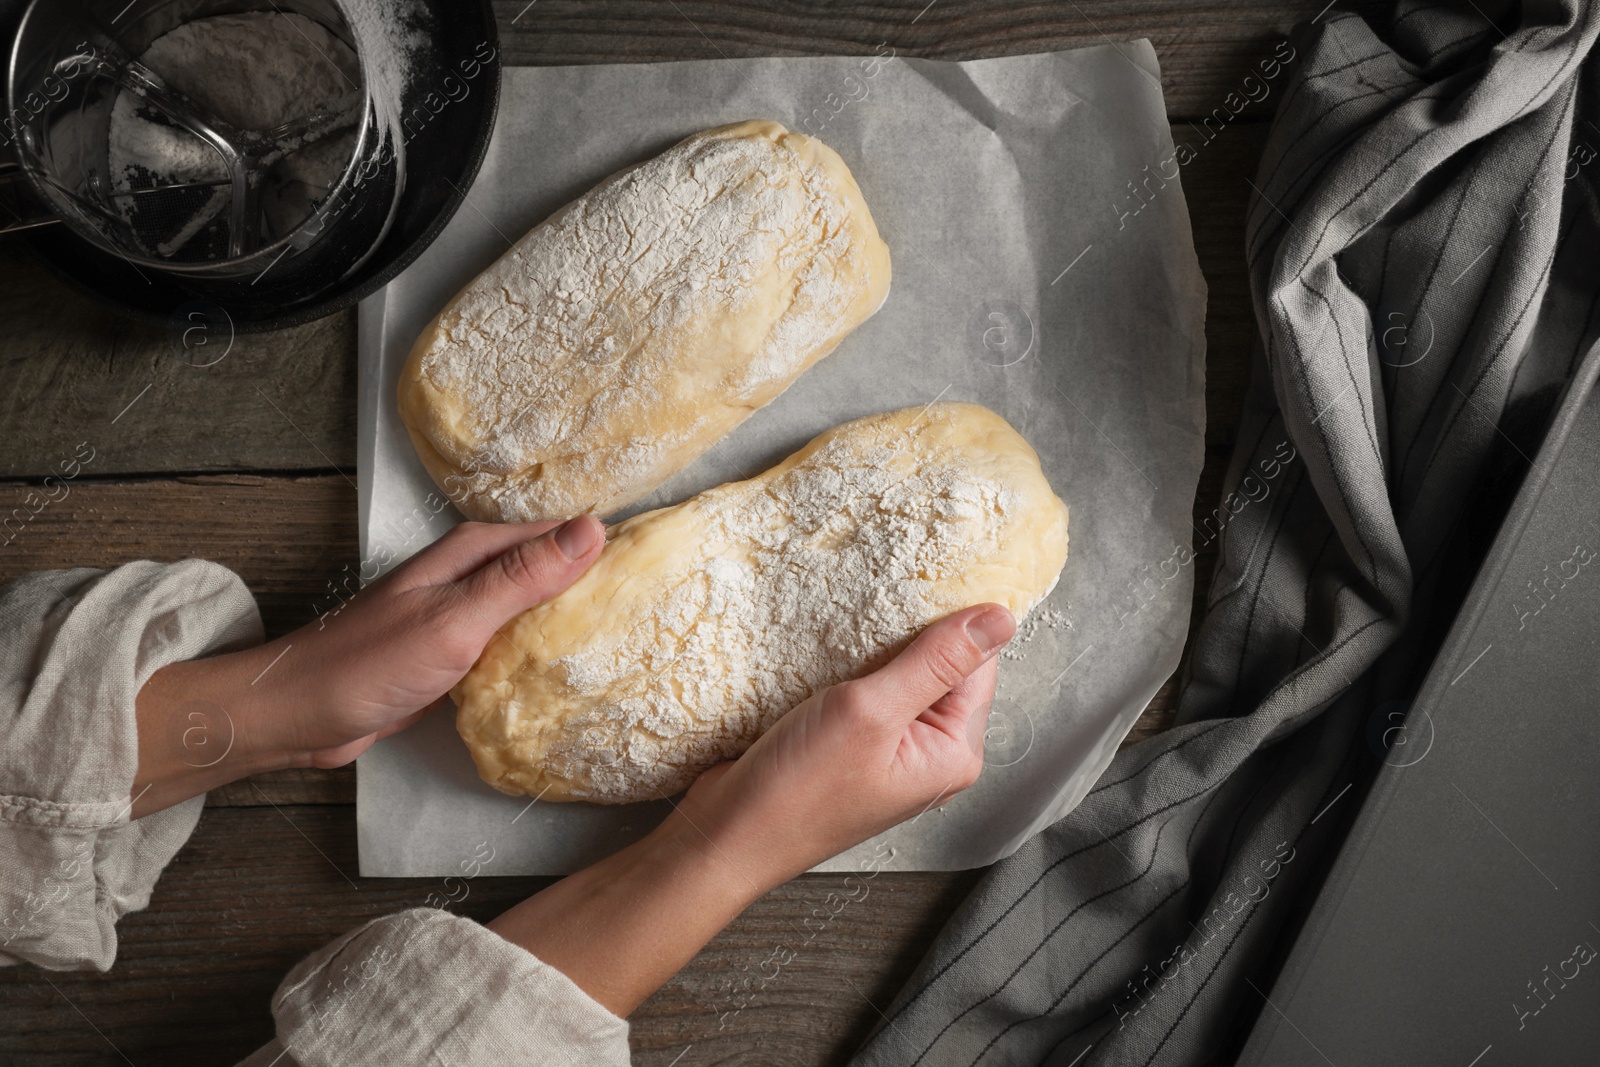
(622,927)
(203,723)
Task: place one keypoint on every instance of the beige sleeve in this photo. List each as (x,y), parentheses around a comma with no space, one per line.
(428,986)
(75,647)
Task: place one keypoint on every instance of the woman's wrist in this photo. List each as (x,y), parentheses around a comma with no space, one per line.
(625,925)
(203,723)
(702,850)
(741,831)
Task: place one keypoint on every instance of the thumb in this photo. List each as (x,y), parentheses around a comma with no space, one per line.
(533,571)
(938,661)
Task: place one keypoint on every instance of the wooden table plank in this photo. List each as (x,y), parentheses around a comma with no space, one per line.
(257,888)
(290,539)
(83,379)
(1206,47)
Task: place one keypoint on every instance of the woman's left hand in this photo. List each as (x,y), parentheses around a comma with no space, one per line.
(320,696)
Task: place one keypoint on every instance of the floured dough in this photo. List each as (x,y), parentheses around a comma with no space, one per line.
(702,623)
(638,325)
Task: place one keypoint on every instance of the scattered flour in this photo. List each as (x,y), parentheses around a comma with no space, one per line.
(254,71)
(1030,625)
(392,36)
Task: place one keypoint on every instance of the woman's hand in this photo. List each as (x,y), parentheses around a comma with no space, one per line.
(857,758)
(844,765)
(323,694)
(389,656)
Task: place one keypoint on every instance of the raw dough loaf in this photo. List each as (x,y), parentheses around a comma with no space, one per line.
(638,325)
(702,623)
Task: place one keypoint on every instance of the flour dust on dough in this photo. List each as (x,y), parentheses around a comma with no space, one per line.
(702,623)
(629,332)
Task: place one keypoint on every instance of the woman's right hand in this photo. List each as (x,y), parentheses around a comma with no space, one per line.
(846,764)
(857,758)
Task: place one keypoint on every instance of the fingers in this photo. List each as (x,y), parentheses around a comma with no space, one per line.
(467,547)
(531,571)
(937,662)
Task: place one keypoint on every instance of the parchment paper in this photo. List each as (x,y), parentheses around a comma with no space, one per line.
(1043,266)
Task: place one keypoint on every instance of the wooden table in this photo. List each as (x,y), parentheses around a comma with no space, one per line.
(252,462)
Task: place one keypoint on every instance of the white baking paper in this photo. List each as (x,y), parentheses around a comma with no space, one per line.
(1043,266)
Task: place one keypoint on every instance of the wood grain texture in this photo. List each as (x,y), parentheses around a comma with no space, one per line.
(290,539)
(80,371)
(1206,47)
(256,889)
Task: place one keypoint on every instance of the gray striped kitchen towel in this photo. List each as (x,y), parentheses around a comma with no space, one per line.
(1424,253)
